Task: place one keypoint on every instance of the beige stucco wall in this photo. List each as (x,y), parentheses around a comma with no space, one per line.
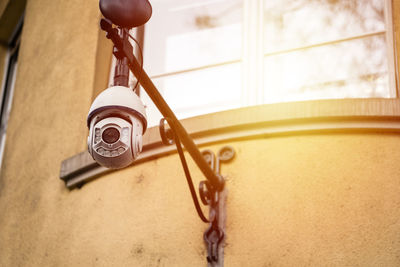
(307,200)
(47,124)
(328,200)
(299,200)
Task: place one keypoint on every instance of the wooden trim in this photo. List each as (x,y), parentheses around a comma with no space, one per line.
(322,116)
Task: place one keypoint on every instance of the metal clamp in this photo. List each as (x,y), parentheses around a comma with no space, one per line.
(214,234)
(209,194)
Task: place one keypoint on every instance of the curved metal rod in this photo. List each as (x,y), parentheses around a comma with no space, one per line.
(168,140)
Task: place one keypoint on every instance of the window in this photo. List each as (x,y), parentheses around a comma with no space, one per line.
(327,49)
(193,53)
(207,56)
(7,89)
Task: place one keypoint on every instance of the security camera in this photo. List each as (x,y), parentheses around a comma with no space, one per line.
(116,121)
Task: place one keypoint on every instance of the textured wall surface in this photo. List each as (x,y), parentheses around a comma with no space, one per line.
(320,200)
(311,200)
(307,200)
(47,124)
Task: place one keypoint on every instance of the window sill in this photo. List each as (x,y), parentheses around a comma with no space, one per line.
(320,116)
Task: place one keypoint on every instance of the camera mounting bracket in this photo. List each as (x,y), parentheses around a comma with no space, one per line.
(211,189)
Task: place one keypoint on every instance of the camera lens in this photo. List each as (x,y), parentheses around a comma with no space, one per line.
(110,135)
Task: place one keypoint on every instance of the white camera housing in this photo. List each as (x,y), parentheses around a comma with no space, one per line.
(117,122)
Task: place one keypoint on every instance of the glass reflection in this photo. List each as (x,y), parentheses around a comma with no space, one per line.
(198,92)
(290,24)
(188,34)
(352,69)
(318,49)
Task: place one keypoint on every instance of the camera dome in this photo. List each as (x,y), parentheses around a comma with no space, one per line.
(119,101)
(116,121)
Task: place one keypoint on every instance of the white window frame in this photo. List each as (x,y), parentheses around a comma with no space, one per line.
(252,59)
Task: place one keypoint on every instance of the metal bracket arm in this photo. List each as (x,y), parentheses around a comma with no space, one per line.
(126,49)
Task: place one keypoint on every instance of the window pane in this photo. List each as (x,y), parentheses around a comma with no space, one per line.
(198,92)
(352,69)
(187,34)
(290,24)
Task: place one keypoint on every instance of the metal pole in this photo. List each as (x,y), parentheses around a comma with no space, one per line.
(166,111)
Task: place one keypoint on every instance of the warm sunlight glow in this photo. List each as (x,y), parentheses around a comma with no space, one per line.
(310,49)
